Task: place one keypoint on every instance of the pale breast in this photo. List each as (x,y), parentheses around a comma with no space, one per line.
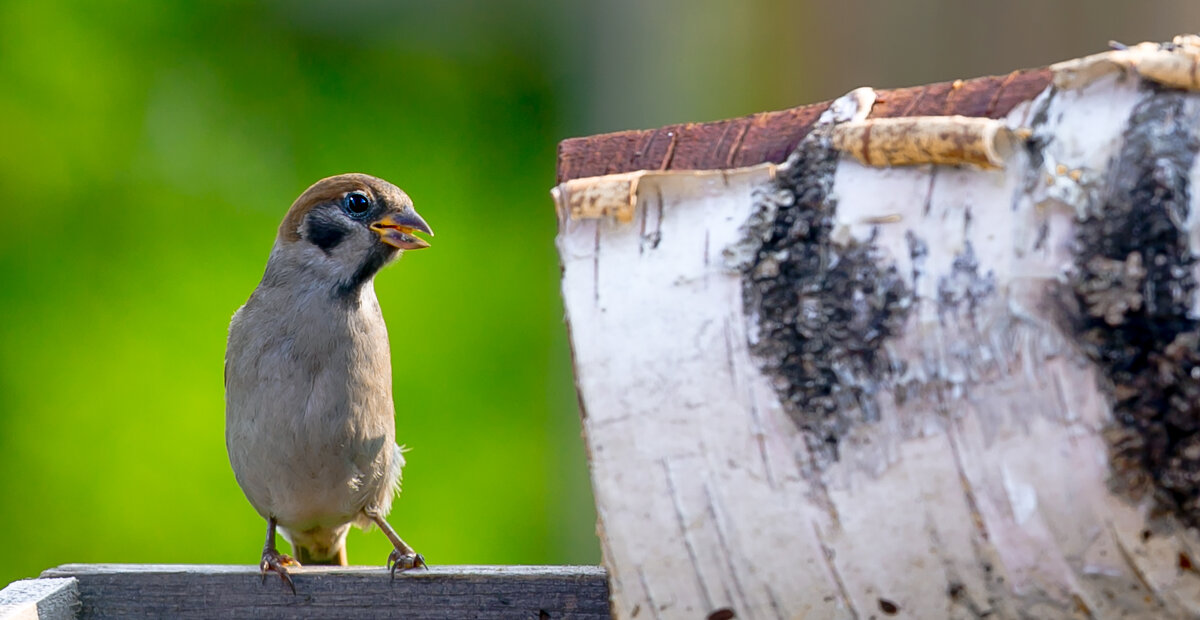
(309,414)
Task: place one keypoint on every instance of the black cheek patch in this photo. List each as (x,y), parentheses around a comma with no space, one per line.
(324,230)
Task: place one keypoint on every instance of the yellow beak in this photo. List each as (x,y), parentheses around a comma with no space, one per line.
(396,229)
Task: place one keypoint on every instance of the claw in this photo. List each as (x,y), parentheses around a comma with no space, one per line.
(402,557)
(399,561)
(278,562)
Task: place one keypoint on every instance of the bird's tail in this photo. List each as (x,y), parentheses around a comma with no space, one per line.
(319,546)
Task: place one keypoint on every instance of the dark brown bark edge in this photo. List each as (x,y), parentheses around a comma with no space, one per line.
(770,136)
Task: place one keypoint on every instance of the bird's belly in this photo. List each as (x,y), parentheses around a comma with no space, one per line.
(303,492)
(305,502)
(308,463)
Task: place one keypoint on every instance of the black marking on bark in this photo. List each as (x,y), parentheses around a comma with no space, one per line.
(1043,232)
(823,309)
(963,284)
(1133,288)
(928,206)
(918,251)
(656,236)
(1036,144)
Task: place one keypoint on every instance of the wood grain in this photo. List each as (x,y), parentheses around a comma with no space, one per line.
(205,591)
(771,136)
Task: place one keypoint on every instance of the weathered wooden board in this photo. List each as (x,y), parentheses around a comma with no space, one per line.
(443,592)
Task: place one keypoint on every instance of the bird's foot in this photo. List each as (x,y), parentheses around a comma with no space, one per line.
(273,560)
(404,560)
(402,557)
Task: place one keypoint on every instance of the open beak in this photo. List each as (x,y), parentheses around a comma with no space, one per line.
(396,229)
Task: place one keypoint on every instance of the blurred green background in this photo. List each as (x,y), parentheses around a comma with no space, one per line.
(150,150)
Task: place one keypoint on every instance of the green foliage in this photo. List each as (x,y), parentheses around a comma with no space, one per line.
(150,150)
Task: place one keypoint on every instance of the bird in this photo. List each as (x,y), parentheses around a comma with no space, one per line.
(309,414)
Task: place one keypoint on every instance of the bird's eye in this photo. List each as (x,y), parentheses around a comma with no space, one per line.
(356,204)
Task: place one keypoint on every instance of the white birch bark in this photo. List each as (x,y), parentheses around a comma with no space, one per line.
(979,480)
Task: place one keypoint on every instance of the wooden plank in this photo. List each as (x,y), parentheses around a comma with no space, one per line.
(771,136)
(40,599)
(203,591)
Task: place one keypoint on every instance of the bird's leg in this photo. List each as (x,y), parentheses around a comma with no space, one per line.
(273,560)
(402,557)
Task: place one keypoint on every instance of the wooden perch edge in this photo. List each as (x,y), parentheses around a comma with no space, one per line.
(772,136)
(207,591)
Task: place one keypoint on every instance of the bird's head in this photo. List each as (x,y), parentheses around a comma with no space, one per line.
(344,229)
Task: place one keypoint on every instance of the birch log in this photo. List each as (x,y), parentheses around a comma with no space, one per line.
(969,388)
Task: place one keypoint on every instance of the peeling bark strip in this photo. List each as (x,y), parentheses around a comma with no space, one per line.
(1134,288)
(1174,65)
(822,309)
(616,195)
(916,140)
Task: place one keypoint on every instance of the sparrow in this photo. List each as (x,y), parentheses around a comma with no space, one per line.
(309,417)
